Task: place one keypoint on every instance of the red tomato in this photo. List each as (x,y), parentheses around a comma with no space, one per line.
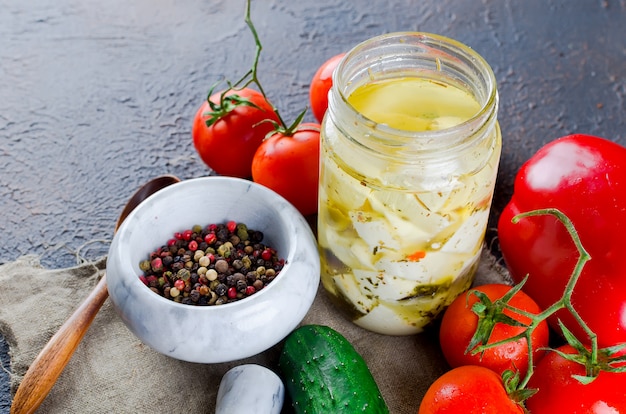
(228,145)
(560,393)
(585,178)
(469,389)
(289,165)
(459,324)
(321,84)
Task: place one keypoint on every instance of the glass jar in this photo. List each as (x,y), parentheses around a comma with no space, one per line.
(409,158)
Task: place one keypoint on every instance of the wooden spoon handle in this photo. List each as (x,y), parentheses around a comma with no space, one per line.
(44,371)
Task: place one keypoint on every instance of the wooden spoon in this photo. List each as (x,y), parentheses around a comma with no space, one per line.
(44,371)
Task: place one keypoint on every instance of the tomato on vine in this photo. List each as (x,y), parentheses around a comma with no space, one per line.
(229,127)
(469,389)
(288,163)
(238,132)
(320,85)
(458,335)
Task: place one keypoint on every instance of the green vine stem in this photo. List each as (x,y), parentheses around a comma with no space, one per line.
(565,302)
(227,102)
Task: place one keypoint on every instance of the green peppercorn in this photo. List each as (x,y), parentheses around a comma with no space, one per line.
(224,250)
(145,265)
(242,231)
(183,274)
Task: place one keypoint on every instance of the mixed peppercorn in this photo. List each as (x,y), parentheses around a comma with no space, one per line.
(211,265)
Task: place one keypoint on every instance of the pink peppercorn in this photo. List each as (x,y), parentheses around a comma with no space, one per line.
(232,292)
(250,290)
(156,264)
(266,254)
(179,284)
(193,245)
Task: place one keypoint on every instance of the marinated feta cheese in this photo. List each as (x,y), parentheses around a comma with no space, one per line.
(400,240)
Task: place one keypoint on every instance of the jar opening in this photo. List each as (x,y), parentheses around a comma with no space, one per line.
(433,60)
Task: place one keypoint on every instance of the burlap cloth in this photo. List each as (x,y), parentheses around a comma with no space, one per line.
(113,372)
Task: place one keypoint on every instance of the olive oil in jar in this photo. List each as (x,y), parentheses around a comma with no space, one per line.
(414,104)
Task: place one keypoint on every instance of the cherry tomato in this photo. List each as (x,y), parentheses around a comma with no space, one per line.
(469,389)
(228,145)
(289,165)
(321,84)
(459,324)
(585,178)
(558,392)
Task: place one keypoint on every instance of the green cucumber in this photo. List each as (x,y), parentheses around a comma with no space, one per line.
(323,373)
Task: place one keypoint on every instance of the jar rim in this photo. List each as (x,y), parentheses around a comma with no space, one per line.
(444,50)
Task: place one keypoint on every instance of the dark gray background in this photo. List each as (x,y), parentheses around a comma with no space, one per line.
(98,97)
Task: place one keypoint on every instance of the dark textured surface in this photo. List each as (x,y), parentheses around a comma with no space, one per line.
(98,97)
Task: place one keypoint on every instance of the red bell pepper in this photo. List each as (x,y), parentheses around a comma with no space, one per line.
(585,178)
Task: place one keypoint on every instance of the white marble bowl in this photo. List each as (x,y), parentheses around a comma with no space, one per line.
(212,334)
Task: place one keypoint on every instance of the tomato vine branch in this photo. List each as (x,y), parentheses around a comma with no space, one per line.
(589,358)
(229,101)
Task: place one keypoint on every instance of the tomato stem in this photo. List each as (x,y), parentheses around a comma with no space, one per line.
(227,103)
(565,302)
(590,358)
